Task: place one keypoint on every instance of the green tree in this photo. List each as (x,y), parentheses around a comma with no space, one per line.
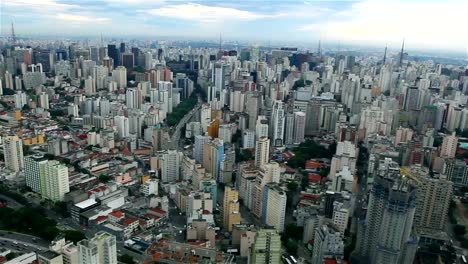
(104,178)
(8,91)
(11,255)
(126,259)
(291,247)
(292,186)
(73,235)
(459,229)
(61,208)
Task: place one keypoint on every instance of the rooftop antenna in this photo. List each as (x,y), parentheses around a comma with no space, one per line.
(401,53)
(319,51)
(13,35)
(385,55)
(220,42)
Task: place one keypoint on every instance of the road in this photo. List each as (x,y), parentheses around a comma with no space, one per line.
(11,203)
(176,130)
(22,243)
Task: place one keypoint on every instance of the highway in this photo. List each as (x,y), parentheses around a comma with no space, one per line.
(22,243)
(176,130)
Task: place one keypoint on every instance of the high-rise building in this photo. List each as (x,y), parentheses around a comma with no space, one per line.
(47,177)
(13,152)
(114,53)
(200,142)
(267,247)
(328,244)
(248,139)
(101,249)
(170,167)
(225,133)
(128,60)
(34,166)
(231,213)
(44,100)
(384,236)
(412,99)
(457,172)
(262,151)
(213,158)
(299,127)
(274,206)
(119,74)
(449,146)
(261,128)
(432,201)
(122,126)
(277,124)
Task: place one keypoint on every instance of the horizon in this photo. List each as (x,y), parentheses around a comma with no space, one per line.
(354,23)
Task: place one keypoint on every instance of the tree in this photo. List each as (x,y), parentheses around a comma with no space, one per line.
(61,208)
(73,235)
(126,259)
(459,229)
(434,248)
(292,186)
(291,247)
(8,91)
(10,256)
(104,178)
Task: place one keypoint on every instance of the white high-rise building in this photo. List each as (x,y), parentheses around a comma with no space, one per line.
(225,133)
(299,127)
(277,123)
(122,125)
(101,249)
(13,152)
(100,74)
(262,151)
(44,100)
(133,98)
(55,180)
(33,166)
(248,139)
(261,129)
(119,75)
(328,243)
(47,177)
(1,87)
(200,142)
(8,80)
(274,207)
(170,168)
(449,146)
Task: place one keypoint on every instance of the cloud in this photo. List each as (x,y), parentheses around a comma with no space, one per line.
(45,5)
(430,23)
(80,18)
(204,13)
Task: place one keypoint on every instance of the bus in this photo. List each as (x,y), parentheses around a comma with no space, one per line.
(293,259)
(463,259)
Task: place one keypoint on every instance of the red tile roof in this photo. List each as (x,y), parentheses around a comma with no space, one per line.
(157,210)
(117,214)
(128,221)
(315,178)
(101,218)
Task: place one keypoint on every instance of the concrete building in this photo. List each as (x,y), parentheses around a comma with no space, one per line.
(328,243)
(267,247)
(274,206)
(262,151)
(13,152)
(449,146)
(231,213)
(101,249)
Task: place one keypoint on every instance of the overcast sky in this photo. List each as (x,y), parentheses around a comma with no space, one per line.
(425,24)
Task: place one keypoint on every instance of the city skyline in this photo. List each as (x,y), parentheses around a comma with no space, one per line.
(368,23)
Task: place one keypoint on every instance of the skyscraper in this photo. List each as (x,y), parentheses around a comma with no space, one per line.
(299,127)
(200,142)
(267,247)
(101,249)
(13,151)
(449,146)
(262,151)
(114,53)
(231,213)
(384,236)
(277,123)
(328,243)
(274,206)
(170,168)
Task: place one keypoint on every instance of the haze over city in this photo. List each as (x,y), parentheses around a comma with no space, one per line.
(249,132)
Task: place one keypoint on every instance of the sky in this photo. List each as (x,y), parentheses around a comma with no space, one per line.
(424,24)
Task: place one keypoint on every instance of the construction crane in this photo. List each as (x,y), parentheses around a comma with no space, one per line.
(406,172)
